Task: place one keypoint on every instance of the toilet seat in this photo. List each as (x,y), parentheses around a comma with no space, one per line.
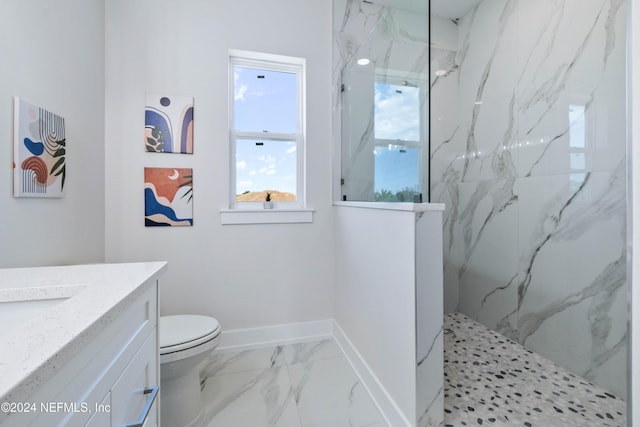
(182,332)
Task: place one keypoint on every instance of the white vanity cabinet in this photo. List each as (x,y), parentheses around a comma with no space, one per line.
(122,364)
(112,378)
(133,397)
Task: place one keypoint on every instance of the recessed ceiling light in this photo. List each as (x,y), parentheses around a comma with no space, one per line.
(363,61)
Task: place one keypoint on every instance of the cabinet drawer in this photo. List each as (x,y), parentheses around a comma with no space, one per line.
(128,397)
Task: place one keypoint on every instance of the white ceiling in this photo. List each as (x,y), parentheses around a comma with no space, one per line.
(452,9)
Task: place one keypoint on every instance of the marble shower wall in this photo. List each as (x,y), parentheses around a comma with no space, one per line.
(528,153)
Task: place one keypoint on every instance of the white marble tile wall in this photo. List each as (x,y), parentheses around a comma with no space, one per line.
(297,385)
(429,321)
(532,170)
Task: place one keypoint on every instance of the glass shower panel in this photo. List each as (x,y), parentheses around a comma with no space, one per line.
(396,173)
(384,133)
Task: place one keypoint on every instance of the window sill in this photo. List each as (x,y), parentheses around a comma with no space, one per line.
(265,216)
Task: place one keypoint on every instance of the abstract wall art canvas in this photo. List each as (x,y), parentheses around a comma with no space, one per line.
(39,152)
(168,124)
(168,197)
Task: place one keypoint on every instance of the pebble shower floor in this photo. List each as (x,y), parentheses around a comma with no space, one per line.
(491,380)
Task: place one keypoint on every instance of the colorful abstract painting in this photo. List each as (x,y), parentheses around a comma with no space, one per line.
(168,124)
(168,197)
(39,152)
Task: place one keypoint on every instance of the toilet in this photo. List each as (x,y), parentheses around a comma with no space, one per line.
(185,342)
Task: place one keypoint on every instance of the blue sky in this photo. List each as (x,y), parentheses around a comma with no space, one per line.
(397,119)
(397,112)
(271,166)
(265,104)
(396,168)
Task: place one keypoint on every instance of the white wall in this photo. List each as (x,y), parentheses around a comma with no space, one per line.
(246,275)
(375,295)
(53,56)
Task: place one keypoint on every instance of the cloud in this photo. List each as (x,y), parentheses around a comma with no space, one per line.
(241,87)
(270,170)
(397,115)
(267,159)
(241,165)
(245,184)
(252,173)
(240,92)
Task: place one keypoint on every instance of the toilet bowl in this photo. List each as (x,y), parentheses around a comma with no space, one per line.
(185,342)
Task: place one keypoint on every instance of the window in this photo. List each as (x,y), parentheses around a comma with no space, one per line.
(266,131)
(578,140)
(399,136)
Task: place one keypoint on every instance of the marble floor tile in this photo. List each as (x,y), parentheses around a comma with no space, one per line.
(311,351)
(307,384)
(328,393)
(250,399)
(229,362)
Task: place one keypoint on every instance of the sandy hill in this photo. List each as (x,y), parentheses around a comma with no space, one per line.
(260,196)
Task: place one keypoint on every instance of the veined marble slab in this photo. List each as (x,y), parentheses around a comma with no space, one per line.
(293,385)
(532,171)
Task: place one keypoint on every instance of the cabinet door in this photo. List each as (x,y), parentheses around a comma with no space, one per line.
(102,415)
(132,392)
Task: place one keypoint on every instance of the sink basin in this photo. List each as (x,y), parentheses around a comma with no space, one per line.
(20,305)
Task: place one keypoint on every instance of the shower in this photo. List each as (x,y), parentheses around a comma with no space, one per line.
(528,151)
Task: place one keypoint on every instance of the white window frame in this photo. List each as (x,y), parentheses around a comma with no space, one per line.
(280,63)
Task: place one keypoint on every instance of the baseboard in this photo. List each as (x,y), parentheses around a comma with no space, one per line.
(275,335)
(385,403)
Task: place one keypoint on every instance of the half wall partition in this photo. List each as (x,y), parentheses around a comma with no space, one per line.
(388,256)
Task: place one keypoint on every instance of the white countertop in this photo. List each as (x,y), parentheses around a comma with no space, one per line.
(33,349)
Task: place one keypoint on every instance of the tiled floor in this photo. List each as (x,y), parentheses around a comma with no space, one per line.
(489,380)
(297,385)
